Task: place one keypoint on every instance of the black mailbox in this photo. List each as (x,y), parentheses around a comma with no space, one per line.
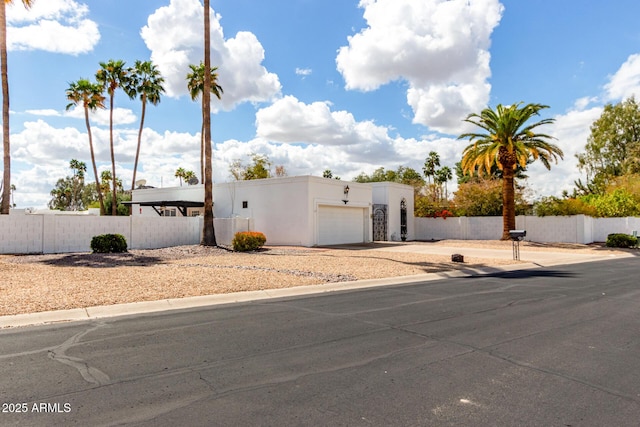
(517,234)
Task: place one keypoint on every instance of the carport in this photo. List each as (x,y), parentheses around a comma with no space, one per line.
(158,206)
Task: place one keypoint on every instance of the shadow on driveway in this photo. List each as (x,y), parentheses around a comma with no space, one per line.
(524,274)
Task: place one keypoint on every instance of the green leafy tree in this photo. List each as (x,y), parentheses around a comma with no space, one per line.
(403,175)
(121,210)
(507,140)
(144,81)
(327,173)
(409,176)
(195,85)
(111,76)
(555,206)
(613,147)
(121,196)
(483,197)
(69,193)
(90,96)
(425,206)
(616,203)
(259,168)
(6,143)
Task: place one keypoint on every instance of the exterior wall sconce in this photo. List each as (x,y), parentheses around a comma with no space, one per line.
(346,194)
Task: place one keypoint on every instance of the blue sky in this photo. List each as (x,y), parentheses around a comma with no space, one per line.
(346,85)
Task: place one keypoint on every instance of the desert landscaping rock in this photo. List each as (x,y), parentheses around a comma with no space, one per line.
(35,283)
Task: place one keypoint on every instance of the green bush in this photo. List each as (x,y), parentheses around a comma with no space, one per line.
(109,243)
(621,240)
(248,241)
(554,206)
(618,203)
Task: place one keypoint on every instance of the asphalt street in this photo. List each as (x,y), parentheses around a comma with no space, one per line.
(555,346)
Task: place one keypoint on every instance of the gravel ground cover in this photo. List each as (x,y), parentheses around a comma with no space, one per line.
(35,283)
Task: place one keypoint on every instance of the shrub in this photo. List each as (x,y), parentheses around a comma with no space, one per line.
(108,243)
(248,241)
(444,214)
(554,206)
(621,240)
(618,203)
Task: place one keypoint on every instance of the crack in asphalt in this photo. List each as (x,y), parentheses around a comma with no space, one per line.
(90,374)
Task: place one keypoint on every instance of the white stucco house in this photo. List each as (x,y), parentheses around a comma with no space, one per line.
(300,210)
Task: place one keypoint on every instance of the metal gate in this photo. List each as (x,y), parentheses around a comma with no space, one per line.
(379,222)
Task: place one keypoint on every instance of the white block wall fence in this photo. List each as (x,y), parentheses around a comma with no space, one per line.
(32,233)
(549,229)
(23,234)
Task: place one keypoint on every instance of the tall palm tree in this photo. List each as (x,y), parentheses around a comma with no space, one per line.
(508,142)
(145,81)
(430,164)
(442,176)
(208,230)
(195,85)
(111,76)
(90,96)
(190,178)
(180,174)
(6,144)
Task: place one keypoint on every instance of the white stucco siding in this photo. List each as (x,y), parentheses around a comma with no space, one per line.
(341,224)
(278,207)
(392,194)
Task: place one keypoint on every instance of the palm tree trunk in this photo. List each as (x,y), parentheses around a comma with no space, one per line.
(508,203)
(202,148)
(135,164)
(114,194)
(6,145)
(208,232)
(93,161)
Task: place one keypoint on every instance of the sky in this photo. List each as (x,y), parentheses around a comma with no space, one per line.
(344,85)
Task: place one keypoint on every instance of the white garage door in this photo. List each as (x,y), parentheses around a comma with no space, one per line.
(338,225)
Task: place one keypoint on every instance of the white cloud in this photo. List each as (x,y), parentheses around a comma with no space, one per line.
(303,71)
(439,47)
(350,146)
(53,25)
(41,155)
(174,34)
(571,131)
(39,143)
(626,81)
(46,112)
(292,121)
(121,116)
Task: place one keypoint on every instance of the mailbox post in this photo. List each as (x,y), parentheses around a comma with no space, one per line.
(516,236)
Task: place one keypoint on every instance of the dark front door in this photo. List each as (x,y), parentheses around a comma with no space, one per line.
(379,222)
